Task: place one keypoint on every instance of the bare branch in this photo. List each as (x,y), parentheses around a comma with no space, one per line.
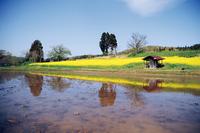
(138,41)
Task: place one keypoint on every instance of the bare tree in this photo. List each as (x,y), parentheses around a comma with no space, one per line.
(58,53)
(138,41)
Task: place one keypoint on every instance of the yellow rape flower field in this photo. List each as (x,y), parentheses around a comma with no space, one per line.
(194,61)
(94,62)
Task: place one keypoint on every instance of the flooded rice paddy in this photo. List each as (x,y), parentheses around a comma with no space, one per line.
(32,103)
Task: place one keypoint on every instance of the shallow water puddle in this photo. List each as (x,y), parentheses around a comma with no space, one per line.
(35,103)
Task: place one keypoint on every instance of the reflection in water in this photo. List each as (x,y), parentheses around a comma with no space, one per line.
(107,94)
(35,83)
(137,100)
(153,85)
(58,83)
(129,108)
(4,77)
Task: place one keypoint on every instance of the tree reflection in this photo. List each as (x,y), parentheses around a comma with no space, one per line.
(58,83)
(135,95)
(153,85)
(107,94)
(35,83)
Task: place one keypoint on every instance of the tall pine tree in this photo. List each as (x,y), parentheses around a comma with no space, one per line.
(108,41)
(36,52)
(113,43)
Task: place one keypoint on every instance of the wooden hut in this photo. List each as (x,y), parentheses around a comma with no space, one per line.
(153,61)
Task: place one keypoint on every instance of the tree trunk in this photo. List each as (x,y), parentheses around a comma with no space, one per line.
(115,51)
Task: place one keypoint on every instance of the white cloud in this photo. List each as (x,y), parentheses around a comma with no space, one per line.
(150,7)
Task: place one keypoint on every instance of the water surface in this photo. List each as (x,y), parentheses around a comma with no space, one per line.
(36,103)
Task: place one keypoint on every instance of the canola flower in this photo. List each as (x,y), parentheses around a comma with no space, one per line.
(93,62)
(105,62)
(193,61)
(125,81)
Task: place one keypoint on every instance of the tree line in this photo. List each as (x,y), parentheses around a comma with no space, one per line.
(36,54)
(193,47)
(7,59)
(108,45)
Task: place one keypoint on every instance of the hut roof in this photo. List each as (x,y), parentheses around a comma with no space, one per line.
(153,58)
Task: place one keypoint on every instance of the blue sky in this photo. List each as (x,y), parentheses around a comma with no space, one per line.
(78,24)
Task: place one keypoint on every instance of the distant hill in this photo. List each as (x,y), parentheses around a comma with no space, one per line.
(186,51)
